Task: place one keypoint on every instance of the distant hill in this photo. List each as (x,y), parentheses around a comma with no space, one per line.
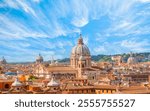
(94,58)
(102,58)
(107,58)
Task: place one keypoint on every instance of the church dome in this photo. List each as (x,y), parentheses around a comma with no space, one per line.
(39,58)
(131,59)
(3,77)
(53,83)
(16,83)
(80,53)
(81,48)
(3,61)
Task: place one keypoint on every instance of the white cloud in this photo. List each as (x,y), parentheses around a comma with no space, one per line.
(26,7)
(123,46)
(21,4)
(21,51)
(59,30)
(135,45)
(124,26)
(46,22)
(100,50)
(80,22)
(144,0)
(80,13)
(13,28)
(12,4)
(108,48)
(127,18)
(86,39)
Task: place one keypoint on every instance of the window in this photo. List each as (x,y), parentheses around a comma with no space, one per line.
(7,86)
(93,77)
(93,90)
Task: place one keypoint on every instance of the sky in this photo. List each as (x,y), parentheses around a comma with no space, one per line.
(52,27)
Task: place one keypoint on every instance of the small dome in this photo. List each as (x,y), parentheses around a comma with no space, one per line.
(131,59)
(16,83)
(3,61)
(39,58)
(53,83)
(56,62)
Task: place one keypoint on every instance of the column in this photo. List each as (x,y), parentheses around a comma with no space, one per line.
(87,62)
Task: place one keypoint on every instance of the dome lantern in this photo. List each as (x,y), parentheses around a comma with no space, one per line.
(80,40)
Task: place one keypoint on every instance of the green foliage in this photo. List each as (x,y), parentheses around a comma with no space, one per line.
(105,59)
(32,78)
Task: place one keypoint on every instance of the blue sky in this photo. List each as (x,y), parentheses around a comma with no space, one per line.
(52,27)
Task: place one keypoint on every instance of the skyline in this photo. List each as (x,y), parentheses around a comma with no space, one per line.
(52,28)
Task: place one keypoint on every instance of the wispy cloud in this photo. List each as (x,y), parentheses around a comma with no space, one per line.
(144,0)
(135,45)
(79,22)
(51,27)
(17,31)
(123,46)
